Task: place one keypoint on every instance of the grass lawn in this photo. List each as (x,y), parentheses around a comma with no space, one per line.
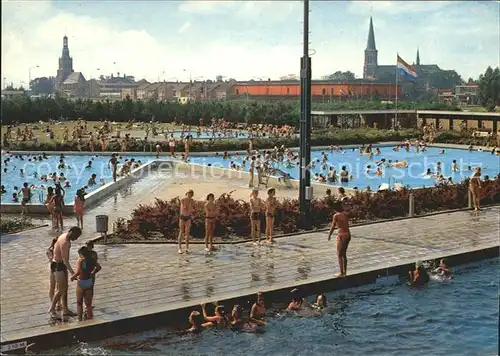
(39,129)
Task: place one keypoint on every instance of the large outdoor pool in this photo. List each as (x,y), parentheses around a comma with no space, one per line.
(458,317)
(75,172)
(356,164)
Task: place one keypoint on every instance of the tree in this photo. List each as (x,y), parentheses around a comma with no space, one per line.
(42,85)
(443,79)
(342,76)
(489,88)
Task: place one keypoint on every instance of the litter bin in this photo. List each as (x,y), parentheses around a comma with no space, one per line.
(101,223)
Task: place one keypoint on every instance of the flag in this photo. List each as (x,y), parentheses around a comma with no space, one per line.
(405,69)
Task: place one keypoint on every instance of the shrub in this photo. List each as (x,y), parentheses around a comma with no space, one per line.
(10,225)
(323,138)
(234,215)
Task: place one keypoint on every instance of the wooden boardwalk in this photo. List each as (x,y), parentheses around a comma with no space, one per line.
(144,279)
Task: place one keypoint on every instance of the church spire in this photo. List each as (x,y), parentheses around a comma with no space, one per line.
(65,49)
(371,37)
(418,56)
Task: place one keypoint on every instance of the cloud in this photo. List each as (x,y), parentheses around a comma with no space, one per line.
(185,26)
(396,7)
(242,39)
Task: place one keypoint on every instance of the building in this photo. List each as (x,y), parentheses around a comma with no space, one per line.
(75,85)
(65,65)
(320,90)
(467,94)
(12,93)
(67,81)
(382,72)
(112,87)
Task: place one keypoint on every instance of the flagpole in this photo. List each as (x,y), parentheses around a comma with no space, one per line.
(396,116)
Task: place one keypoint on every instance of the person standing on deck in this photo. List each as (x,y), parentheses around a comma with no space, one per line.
(59,267)
(186,215)
(341,221)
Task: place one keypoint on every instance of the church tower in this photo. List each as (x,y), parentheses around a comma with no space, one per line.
(65,64)
(418,57)
(371,54)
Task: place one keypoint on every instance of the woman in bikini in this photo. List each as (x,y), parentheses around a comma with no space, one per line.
(58,203)
(219,319)
(78,206)
(186,212)
(256,208)
(86,269)
(258,311)
(475,188)
(341,221)
(210,222)
(50,205)
(271,204)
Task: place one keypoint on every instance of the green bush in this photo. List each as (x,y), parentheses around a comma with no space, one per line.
(10,225)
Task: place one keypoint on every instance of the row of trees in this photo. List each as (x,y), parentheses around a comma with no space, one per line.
(25,109)
(489,88)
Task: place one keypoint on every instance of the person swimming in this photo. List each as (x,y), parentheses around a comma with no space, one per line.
(443,269)
(419,276)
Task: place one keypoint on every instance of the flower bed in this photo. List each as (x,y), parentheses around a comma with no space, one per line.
(162,217)
(11,225)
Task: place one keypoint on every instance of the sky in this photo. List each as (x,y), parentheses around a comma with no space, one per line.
(176,40)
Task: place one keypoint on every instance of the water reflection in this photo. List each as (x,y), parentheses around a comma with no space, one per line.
(185,290)
(270,276)
(254,270)
(304,267)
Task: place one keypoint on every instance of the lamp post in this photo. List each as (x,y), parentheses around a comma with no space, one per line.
(305,190)
(29,75)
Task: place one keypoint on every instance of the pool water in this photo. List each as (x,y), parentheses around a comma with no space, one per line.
(458,317)
(78,175)
(356,165)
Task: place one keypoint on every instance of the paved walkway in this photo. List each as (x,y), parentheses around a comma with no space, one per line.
(143,279)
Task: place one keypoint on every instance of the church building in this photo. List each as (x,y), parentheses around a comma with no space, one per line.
(387,73)
(69,82)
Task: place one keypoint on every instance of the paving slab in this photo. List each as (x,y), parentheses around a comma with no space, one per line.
(143,279)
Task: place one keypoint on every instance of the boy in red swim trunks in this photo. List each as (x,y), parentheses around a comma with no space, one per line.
(341,221)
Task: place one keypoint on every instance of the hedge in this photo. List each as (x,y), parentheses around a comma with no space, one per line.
(162,217)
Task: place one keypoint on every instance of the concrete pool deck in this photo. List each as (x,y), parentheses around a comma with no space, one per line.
(143,286)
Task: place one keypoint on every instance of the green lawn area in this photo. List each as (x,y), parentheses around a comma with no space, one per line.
(39,129)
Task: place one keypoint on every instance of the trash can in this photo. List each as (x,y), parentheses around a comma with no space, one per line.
(101,223)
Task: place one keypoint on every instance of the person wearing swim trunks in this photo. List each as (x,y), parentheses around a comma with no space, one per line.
(26,193)
(113,163)
(271,205)
(210,222)
(86,269)
(341,221)
(52,280)
(60,266)
(475,188)
(251,170)
(186,212)
(256,208)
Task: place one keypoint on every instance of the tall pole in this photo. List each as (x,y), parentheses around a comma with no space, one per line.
(305,190)
(29,75)
(397,75)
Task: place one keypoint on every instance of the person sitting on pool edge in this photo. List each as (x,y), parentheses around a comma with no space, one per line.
(419,276)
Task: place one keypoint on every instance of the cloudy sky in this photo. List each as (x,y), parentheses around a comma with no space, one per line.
(241,39)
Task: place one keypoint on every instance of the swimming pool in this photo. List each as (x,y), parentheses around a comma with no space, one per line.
(78,175)
(357,164)
(388,318)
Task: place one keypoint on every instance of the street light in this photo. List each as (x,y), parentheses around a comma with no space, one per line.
(29,75)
